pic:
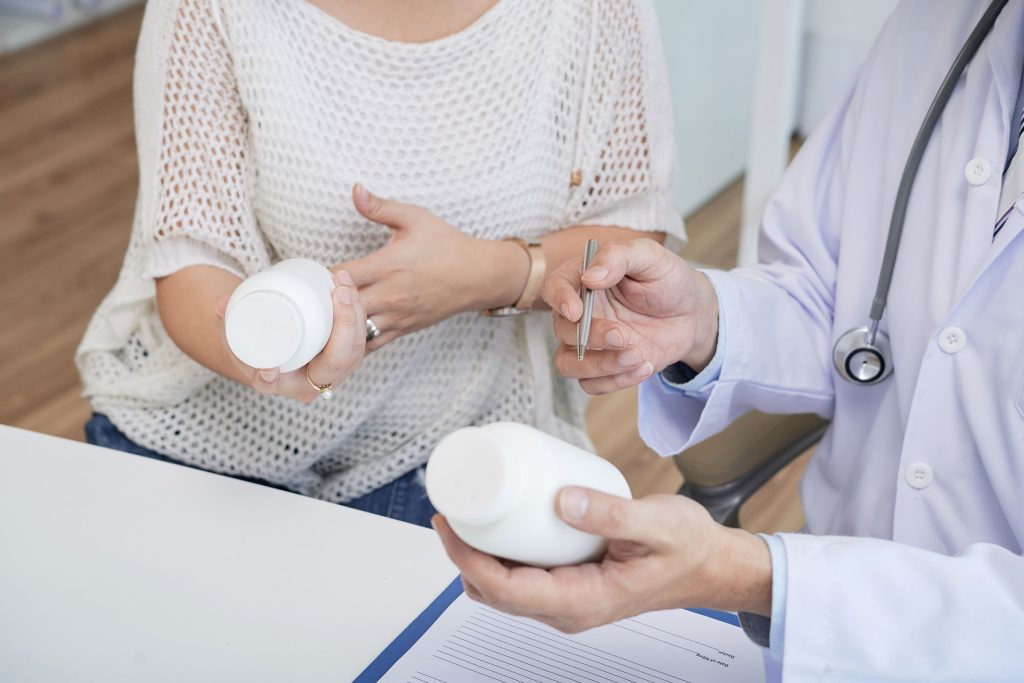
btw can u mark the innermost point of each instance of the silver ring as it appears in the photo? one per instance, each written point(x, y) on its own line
point(372, 331)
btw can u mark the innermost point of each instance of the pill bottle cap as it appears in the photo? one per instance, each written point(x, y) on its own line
point(472, 479)
point(264, 329)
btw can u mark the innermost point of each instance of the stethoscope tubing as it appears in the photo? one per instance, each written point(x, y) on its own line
point(868, 339)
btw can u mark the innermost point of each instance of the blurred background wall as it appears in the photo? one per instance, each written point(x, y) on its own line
point(25, 22)
point(712, 49)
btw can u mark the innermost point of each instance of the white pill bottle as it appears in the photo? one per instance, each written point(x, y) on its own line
point(281, 317)
point(497, 486)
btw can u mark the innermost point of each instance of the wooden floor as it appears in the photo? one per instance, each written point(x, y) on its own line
point(68, 179)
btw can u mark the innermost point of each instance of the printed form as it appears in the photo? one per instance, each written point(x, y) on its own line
point(472, 642)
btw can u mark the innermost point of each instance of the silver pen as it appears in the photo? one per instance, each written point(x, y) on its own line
point(587, 295)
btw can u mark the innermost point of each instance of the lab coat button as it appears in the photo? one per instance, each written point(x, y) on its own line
point(952, 340)
point(919, 475)
point(978, 171)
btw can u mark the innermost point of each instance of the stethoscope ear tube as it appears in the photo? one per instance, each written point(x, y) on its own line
point(862, 344)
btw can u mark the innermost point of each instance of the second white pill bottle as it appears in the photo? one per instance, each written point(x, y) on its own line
point(281, 317)
point(497, 486)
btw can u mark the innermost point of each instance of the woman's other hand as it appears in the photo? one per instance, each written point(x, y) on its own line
point(339, 359)
point(429, 270)
point(663, 552)
point(650, 310)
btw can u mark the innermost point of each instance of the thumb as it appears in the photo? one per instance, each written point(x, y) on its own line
point(395, 215)
point(605, 515)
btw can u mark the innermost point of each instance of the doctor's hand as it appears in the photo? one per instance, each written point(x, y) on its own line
point(650, 310)
point(664, 552)
point(429, 270)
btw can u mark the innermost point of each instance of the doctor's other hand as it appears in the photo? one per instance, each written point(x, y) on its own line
point(664, 552)
point(650, 310)
point(340, 357)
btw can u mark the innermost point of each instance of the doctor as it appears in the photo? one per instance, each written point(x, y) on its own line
point(912, 567)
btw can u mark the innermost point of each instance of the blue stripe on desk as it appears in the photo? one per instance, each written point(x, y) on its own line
point(414, 631)
point(727, 617)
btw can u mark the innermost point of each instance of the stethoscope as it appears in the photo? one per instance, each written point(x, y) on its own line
point(863, 355)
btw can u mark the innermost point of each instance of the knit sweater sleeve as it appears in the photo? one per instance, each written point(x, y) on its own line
point(200, 169)
point(627, 150)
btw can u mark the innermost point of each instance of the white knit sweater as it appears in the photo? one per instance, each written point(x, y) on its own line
point(253, 120)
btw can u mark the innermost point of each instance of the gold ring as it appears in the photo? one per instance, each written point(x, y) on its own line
point(325, 390)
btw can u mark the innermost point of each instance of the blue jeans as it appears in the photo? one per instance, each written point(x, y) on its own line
point(404, 499)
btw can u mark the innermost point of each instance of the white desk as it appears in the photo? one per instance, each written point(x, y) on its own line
point(119, 568)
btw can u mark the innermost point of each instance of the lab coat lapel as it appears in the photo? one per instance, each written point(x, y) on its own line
point(1004, 52)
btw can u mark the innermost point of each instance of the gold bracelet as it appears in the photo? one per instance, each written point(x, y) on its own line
point(534, 280)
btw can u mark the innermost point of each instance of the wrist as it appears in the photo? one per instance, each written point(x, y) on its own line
point(705, 326)
point(506, 269)
point(738, 574)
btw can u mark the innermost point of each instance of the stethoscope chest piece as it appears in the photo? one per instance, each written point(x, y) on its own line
point(861, 359)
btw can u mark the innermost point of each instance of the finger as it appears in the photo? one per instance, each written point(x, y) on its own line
point(220, 305)
point(393, 214)
point(471, 590)
point(364, 271)
point(604, 334)
point(471, 563)
point(610, 516)
point(379, 299)
point(624, 380)
point(459, 552)
point(266, 381)
point(527, 591)
point(347, 342)
point(382, 340)
point(640, 259)
point(561, 290)
point(597, 363)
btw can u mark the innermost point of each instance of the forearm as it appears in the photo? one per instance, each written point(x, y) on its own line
point(508, 269)
point(185, 300)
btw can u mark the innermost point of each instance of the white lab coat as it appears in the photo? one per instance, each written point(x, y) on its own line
point(932, 459)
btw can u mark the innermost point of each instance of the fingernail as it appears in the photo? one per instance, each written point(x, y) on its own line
point(630, 357)
point(343, 277)
point(362, 193)
point(268, 375)
point(344, 295)
point(644, 371)
point(573, 503)
point(565, 311)
point(615, 340)
point(595, 274)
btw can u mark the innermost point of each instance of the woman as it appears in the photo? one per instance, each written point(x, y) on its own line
point(539, 120)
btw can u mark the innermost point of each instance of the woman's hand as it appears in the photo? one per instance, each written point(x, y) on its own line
point(650, 310)
point(429, 270)
point(664, 552)
point(339, 359)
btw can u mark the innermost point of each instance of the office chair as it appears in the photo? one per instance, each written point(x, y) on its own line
point(722, 472)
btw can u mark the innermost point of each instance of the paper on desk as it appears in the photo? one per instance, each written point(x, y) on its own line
point(472, 642)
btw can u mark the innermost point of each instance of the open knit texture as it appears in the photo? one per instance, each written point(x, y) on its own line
point(254, 118)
